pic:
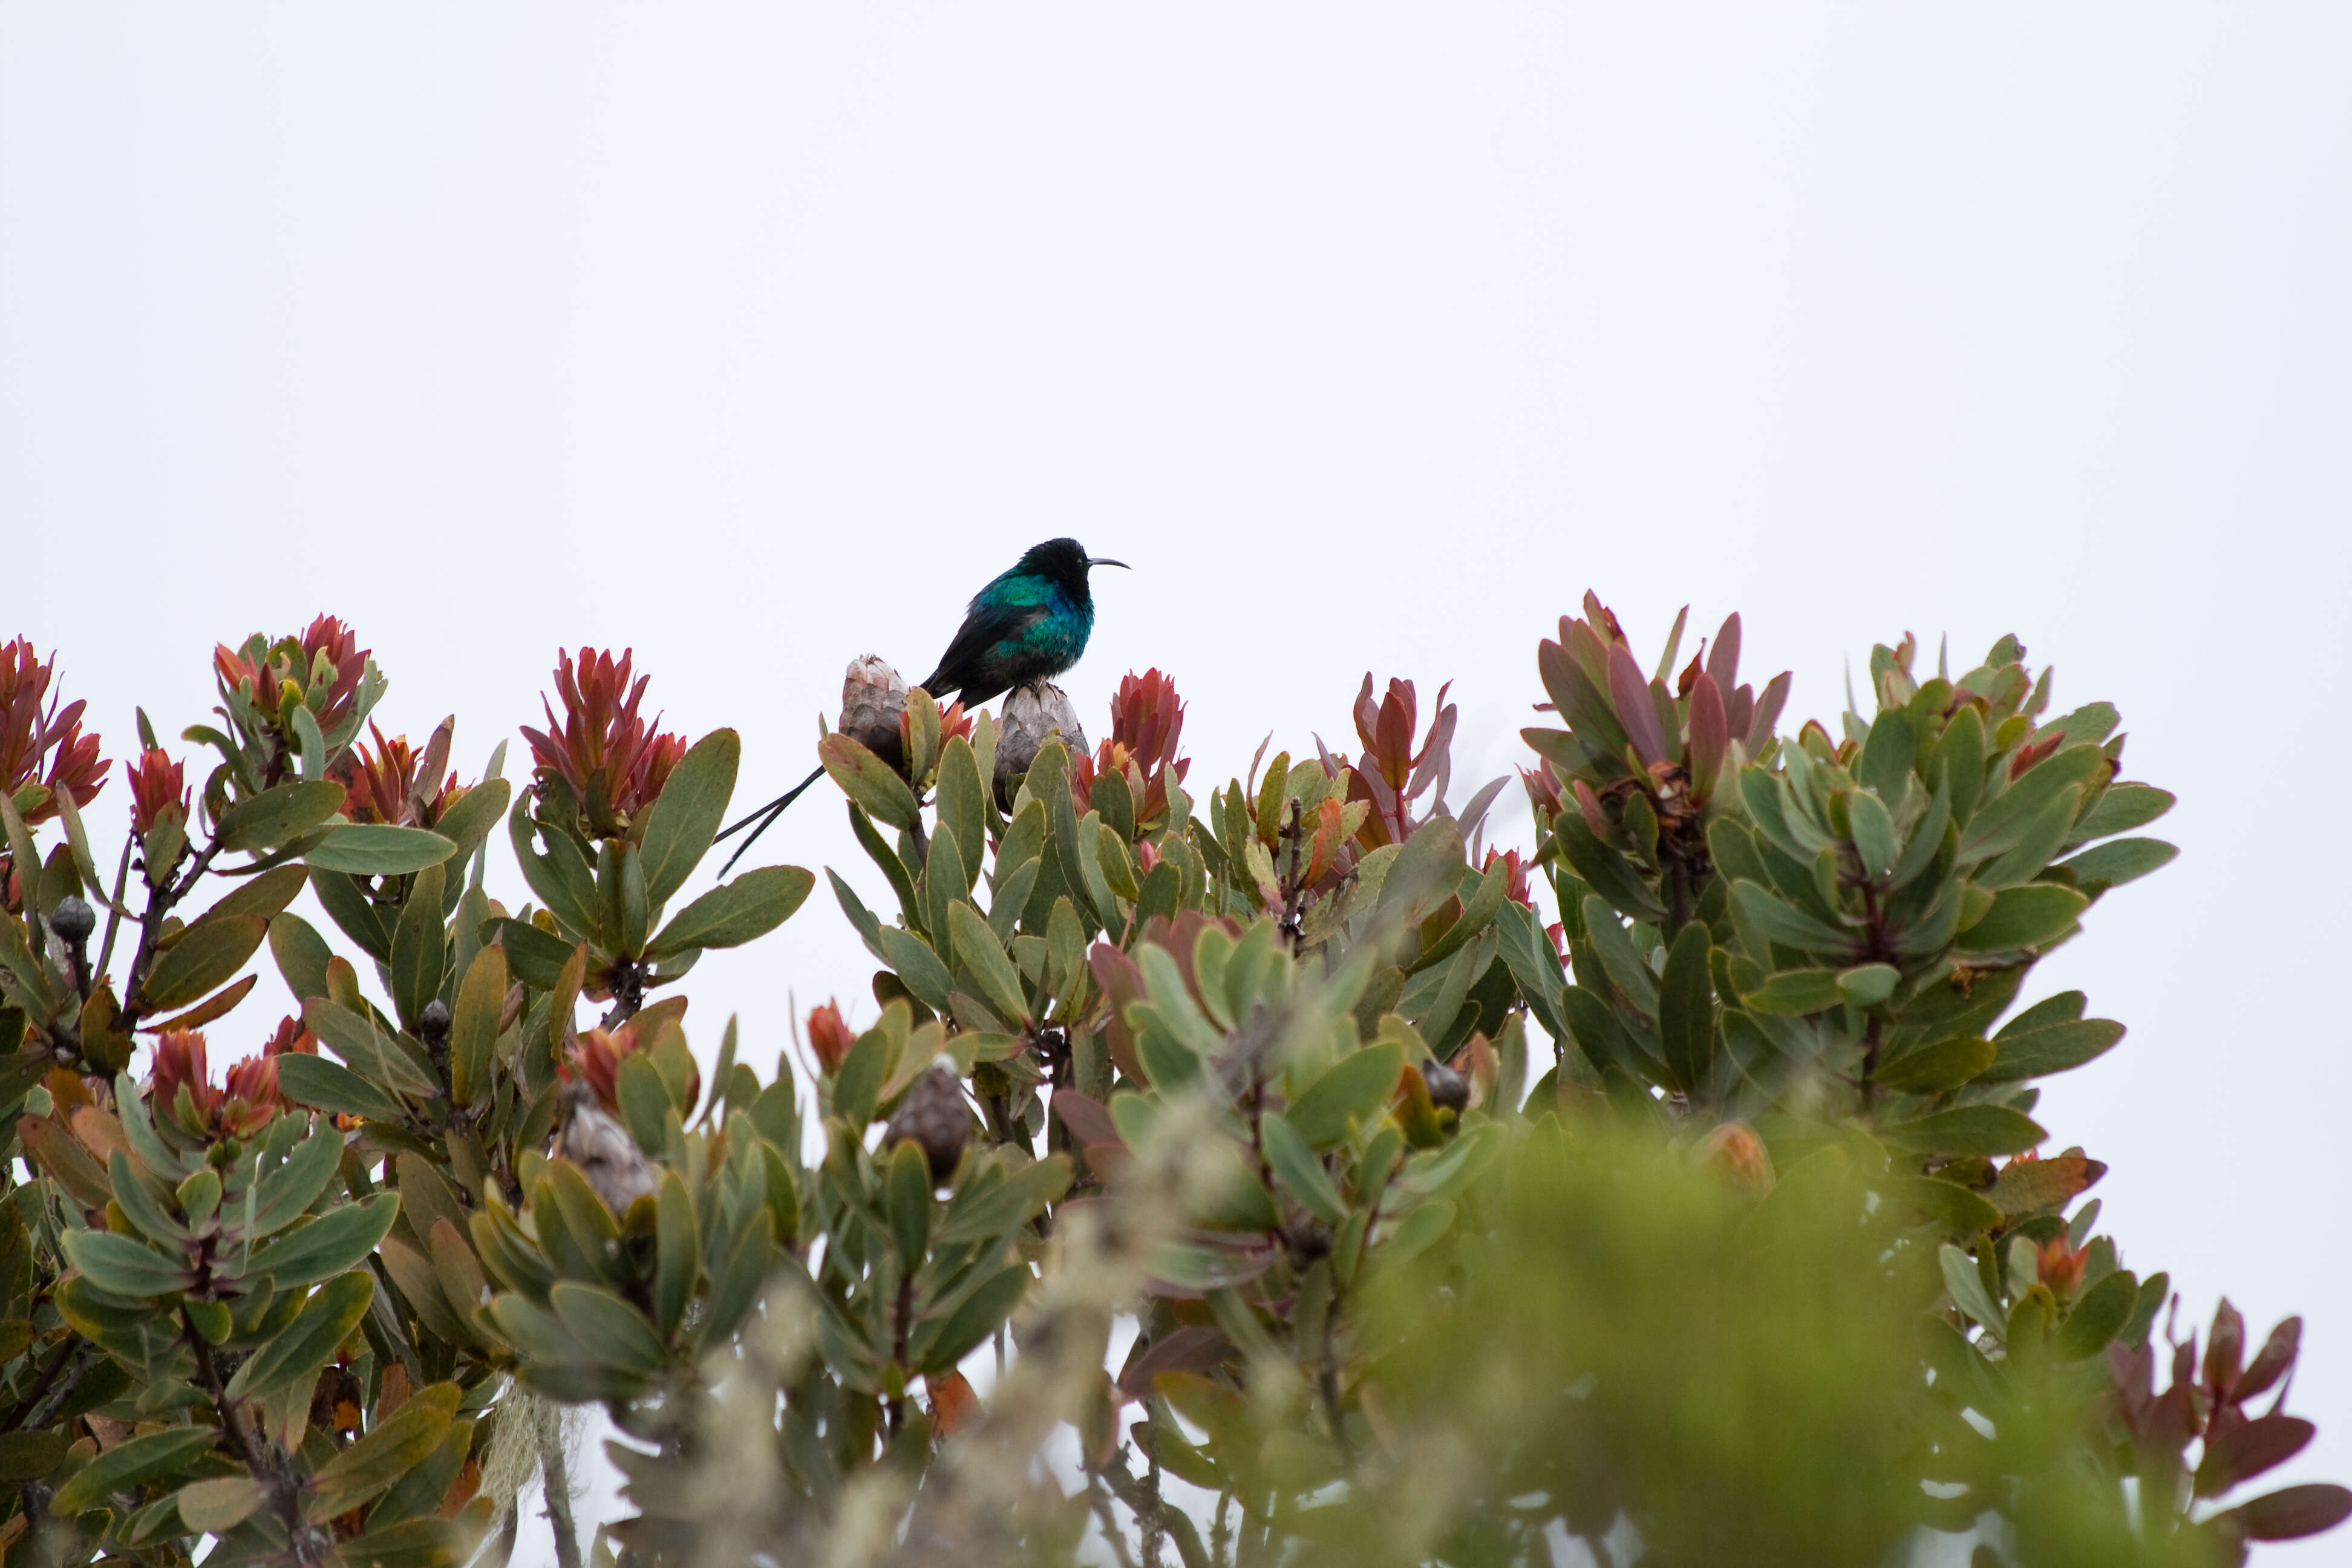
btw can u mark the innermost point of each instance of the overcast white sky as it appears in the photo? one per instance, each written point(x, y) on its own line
point(757, 337)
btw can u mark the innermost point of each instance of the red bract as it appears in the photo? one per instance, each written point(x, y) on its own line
point(155, 785)
point(31, 739)
point(246, 1105)
point(829, 1037)
point(1517, 890)
point(1147, 721)
point(327, 651)
point(396, 782)
point(2059, 1266)
point(595, 1059)
point(1390, 774)
point(602, 749)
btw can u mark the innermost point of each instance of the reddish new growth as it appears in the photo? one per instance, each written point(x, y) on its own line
point(396, 783)
point(829, 1037)
point(46, 748)
point(155, 788)
point(183, 1085)
point(1390, 774)
point(595, 1057)
point(1147, 723)
point(610, 757)
point(1517, 890)
point(328, 651)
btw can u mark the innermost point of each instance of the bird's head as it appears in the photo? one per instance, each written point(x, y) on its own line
point(1064, 561)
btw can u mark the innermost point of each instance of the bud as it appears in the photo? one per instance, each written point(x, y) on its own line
point(434, 1022)
point(73, 919)
point(156, 788)
point(829, 1037)
point(873, 698)
point(935, 1116)
point(1735, 1150)
point(2059, 1266)
point(1032, 715)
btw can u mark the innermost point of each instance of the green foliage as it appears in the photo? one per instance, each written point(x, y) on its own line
point(1760, 1267)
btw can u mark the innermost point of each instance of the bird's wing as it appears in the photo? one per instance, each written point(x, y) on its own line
point(964, 669)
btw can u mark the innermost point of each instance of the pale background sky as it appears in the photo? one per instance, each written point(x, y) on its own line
point(756, 337)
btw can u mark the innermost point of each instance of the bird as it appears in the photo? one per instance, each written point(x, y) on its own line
point(1028, 624)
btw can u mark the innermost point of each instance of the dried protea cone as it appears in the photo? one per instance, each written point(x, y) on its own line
point(872, 695)
point(603, 1150)
point(1032, 714)
point(935, 1116)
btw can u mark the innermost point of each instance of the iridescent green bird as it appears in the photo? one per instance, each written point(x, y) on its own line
point(1029, 624)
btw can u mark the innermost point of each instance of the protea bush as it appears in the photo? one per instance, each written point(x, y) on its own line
point(1279, 1173)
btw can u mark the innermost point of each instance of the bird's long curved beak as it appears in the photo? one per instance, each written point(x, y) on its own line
point(1106, 561)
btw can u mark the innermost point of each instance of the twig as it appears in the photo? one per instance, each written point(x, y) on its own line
point(555, 1483)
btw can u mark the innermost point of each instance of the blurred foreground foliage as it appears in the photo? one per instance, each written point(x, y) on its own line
point(1297, 1191)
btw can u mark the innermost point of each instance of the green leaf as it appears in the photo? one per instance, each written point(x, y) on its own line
point(685, 817)
point(978, 950)
point(2053, 1048)
point(1350, 1092)
point(2098, 1317)
point(123, 1267)
point(1785, 923)
point(536, 957)
point(1960, 1211)
point(354, 912)
point(1686, 1008)
point(308, 1342)
point(677, 1252)
point(264, 895)
point(1868, 985)
point(1941, 1065)
point(29, 1455)
point(733, 913)
point(1968, 1287)
point(474, 1025)
point(869, 781)
point(2031, 916)
point(1874, 830)
point(470, 821)
point(130, 1464)
point(374, 1463)
point(2120, 808)
point(937, 1349)
point(1969, 1130)
point(379, 849)
point(907, 1200)
point(1302, 1174)
point(323, 1085)
point(140, 1205)
point(1610, 874)
point(1795, 992)
point(962, 799)
point(355, 1038)
point(991, 1214)
point(269, 819)
point(301, 954)
point(207, 957)
point(330, 1244)
point(414, 1498)
point(2123, 860)
point(2009, 816)
point(915, 963)
point(420, 948)
point(618, 1331)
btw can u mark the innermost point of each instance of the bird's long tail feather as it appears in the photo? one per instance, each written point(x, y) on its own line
point(763, 817)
